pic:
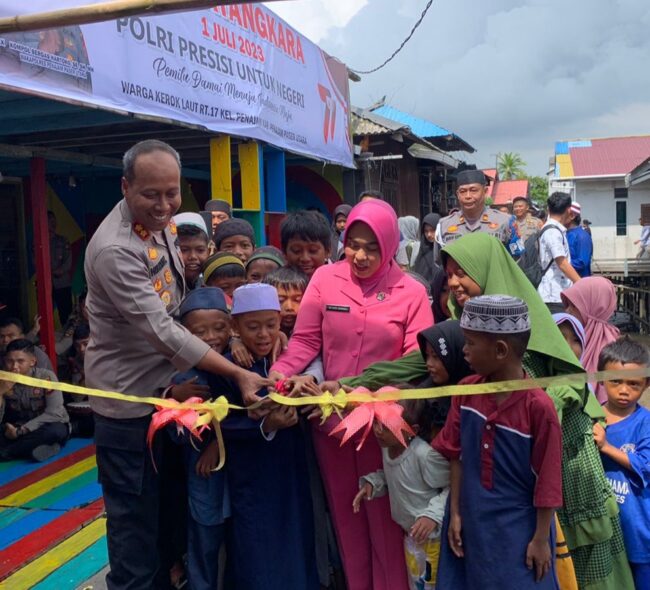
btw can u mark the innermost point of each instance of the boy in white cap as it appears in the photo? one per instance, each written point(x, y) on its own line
point(505, 451)
point(581, 246)
point(272, 540)
point(193, 242)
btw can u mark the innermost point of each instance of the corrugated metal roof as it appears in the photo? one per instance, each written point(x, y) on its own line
point(419, 126)
point(613, 156)
point(417, 150)
point(366, 122)
point(439, 136)
point(506, 190)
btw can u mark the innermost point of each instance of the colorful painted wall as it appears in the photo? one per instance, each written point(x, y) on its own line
point(315, 186)
point(80, 206)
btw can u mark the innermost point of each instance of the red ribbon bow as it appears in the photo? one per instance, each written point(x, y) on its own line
point(387, 413)
point(184, 418)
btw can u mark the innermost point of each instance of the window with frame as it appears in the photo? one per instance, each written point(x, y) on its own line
point(620, 193)
point(621, 218)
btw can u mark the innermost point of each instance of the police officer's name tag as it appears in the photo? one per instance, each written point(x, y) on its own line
point(339, 308)
point(156, 268)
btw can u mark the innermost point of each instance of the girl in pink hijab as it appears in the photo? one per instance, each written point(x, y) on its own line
point(358, 311)
point(592, 301)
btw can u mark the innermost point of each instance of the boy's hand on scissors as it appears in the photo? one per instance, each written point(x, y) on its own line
point(422, 529)
point(454, 534)
point(364, 493)
point(188, 389)
point(538, 554)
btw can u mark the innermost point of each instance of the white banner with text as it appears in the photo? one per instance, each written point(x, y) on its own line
point(236, 69)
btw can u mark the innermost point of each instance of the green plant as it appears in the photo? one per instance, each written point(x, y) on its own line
point(511, 166)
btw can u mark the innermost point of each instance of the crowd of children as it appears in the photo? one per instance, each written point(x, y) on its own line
point(506, 491)
point(469, 492)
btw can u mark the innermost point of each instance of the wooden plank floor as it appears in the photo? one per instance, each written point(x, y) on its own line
point(52, 524)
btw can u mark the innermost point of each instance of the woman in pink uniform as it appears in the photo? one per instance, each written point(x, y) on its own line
point(358, 311)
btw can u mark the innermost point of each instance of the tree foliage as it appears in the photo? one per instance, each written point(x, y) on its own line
point(511, 166)
point(538, 190)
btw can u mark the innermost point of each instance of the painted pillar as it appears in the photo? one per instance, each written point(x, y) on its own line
point(251, 164)
point(276, 193)
point(221, 169)
point(38, 197)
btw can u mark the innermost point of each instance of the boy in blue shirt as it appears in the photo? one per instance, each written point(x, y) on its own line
point(203, 312)
point(625, 450)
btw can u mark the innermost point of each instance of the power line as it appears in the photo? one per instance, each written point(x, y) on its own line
point(417, 24)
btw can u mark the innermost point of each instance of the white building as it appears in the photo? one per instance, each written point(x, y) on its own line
point(610, 178)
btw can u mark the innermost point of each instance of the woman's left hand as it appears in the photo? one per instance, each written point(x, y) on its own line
point(300, 383)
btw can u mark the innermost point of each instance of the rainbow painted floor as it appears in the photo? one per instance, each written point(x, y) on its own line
point(52, 524)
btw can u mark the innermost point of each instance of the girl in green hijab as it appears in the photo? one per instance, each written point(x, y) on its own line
point(478, 264)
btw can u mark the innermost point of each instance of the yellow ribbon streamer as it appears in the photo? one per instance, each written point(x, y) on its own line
point(330, 403)
point(210, 411)
point(218, 409)
point(215, 411)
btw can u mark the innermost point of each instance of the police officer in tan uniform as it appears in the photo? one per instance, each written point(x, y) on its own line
point(135, 286)
point(527, 225)
point(473, 214)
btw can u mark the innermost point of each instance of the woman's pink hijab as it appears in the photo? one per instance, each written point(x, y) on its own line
point(595, 299)
point(382, 220)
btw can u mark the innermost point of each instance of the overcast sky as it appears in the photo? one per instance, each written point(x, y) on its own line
point(505, 75)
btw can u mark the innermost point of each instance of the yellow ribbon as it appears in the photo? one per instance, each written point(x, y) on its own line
point(218, 409)
point(328, 402)
point(215, 411)
point(331, 403)
point(210, 411)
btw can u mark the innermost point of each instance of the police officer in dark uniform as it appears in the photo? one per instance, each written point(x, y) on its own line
point(473, 214)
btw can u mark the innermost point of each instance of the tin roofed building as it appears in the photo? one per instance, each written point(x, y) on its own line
point(610, 178)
